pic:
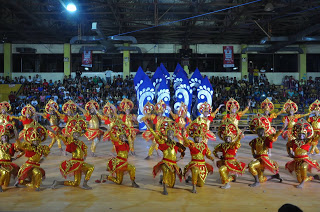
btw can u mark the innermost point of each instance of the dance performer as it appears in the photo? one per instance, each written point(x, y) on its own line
point(26, 118)
point(267, 106)
point(69, 109)
point(168, 165)
point(147, 135)
point(198, 150)
point(301, 163)
point(181, 119)
point(156, 119)
point(207, 117)
point(76, 166)
point(30, 173)
point(93, 132)
point(5, 107)
point(119, 165)
point(126, 106)
point(7, 151)
point(259, 147)
point(54, 121)
point(228, 163)
point(315, 123)
point(291, 108)
point(233, 107)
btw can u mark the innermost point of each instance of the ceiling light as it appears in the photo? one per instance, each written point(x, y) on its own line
point(269, 7)
point(71, 7)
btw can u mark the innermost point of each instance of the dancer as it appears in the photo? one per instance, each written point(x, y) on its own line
point(69, 109)
point(228, 163)
point(126, 106)
point(198, 150)
point(26, 118)
point(291, 108)
point(7, 151)
point(93, 132)
point(233, 107)
point(207, 117)
point(259, 147)
point(76, 166)
point(119, 165)
point(30, 173)
point(181, 119)
point(54, 121)
point(267, 106)
point(301, 163)
point(147, 135)
point(5, 107)
point(168, 165)
point(315, 123)
point(157, 119)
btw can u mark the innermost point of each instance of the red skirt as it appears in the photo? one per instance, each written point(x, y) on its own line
point(147, 135)
point(204, 168)
point(8, 166)
point(56, 129)
point(269, 164)
point(71, 167)
point(93, 133)
point(312, 164)
point(172, 165)
point(25, 170)
point(117, 164)
point(233, 166)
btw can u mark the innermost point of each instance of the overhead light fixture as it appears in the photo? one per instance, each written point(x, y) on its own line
point(71, 7)
point(269, 7)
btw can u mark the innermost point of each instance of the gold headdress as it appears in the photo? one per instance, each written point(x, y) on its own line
point(205, 107)
point(183, 110)
point(109, 108)
point(267, 105)
point(91, 104)
point(259, 121)
point(28, 109)
point(51, 104)
point(35, 132)
point(69, 105)
point(5, 105)
point(167, 125)
point(148, 108)
point(290, 105)
point(231, 104)
point(160, 107)
point(315, 106)
point(126, 104)
point(197, 130)
point(228, 129)
point(118, 129)
point(302, 127)
point(5, 128)
point(76, 124)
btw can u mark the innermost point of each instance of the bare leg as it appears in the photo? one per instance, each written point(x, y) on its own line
point(256, 181)
point(164, 192)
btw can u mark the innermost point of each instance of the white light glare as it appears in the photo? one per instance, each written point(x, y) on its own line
point(71, 7)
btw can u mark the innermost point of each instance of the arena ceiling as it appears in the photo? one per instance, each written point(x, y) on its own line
point(47, 21)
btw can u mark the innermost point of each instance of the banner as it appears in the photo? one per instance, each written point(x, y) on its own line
point(228, 59)
point(87, 58)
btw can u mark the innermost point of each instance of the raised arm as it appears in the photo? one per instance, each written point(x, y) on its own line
point(81, 109)
point(157, 138)
point(213, 114)
point(302, 115)
point(208, 154)
point(275, 115)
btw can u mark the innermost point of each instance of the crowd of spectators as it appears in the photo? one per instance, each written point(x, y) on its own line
point(37, 91)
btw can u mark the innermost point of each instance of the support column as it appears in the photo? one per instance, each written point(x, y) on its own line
point(7, 57)
point(126, 62)
point(244, 63)
point(186, 69)
point(67, 58)
point(302, 64)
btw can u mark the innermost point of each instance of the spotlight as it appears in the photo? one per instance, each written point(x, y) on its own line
point(71, 7)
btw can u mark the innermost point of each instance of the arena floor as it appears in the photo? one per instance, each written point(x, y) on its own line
point(109, 196)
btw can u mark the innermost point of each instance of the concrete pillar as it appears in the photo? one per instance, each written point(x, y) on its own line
point(126, 62)
point(7, 60)
point(302, 63)
point(244, 62)
point(67, 58)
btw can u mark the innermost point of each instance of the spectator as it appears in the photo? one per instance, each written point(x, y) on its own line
point(108, 74)
point(256, 74)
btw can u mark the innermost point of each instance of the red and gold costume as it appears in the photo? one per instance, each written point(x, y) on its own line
point(181, 119)
point(30, 173)
point(119, 165)
point(168, 164)
point(267, 106)
point(126, 106)
point(259, 148)
point(198, 150)
point(76, 165)
point(301, 163)
point(69, 108)
point(291, 107)
point(315, 123)
point(5, 107)
point(27, 113)
point(228, 163)
point(206, 118)
point(93, 132)
point(234, 116)
point(109, 117)
point(7, 151)
point(54, 121)
point(156, 121)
